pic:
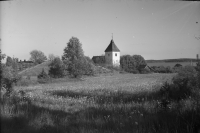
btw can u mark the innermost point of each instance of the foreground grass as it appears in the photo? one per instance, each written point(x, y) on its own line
point(118, 103)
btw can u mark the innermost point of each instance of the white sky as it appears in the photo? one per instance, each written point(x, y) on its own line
point(153, 29)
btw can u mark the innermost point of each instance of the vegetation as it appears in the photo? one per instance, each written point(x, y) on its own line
point(133, 64)
point(56, 68)
point(36, 70)
point(113, 103)
point(9, 61)
point(43, 77)
point(9, 76)
point(162, 69)
point(51, 57)
point(118, 103)
point(37, 56)
point(74, 59)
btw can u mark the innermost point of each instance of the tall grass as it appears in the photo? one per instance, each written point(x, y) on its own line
point(119, 103)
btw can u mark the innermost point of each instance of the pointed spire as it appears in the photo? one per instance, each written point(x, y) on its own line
point(112, 47)
point(112, 36)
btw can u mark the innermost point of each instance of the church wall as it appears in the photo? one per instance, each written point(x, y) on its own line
point(112, 58)
point(116, 58)
point(108, 56)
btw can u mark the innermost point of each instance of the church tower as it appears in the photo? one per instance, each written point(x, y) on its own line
point(112, 54)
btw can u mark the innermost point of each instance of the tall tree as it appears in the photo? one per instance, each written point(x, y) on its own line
point(37, 56)
point(73, 50)
point(74, 59)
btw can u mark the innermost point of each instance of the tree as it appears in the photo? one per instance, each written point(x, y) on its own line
point(37, 56)
point(128, 64)
point(140, 62)
point(133, 64)
point(74, 59)
point(73, 50)
point(2, 56)
point(9, 61)
point(56, 68)
point(89, 59)
point(76, 67)
point(51, 57)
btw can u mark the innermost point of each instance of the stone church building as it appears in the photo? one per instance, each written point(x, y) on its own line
point(112, 56)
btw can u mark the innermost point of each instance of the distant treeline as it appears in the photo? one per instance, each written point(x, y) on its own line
point(173, 60)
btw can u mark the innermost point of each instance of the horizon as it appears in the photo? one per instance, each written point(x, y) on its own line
point(156, 30)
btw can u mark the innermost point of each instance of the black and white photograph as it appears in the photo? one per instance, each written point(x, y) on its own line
point(100, 66)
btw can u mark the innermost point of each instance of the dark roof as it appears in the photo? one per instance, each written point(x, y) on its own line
point(112, 47)
point(98, 59)
point(94, 57)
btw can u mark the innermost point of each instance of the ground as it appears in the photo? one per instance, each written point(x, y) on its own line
point(115, 103)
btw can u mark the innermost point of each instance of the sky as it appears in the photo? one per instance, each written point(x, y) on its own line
point(155, 29)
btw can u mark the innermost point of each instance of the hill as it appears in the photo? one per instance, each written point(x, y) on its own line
point(34, 71)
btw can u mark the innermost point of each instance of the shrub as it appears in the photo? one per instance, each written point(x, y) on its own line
point(9, 77)
point(128, 63)
point(186, 76)
point(132, 64)
point(80, 67)
point(43, 77)
point(56, 68)
point(183, 85)
point(145, 71)
point(89, 68)
point(162, 69)
point(140, 62)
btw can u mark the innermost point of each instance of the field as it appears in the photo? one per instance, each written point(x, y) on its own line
point(171, 64)
point(117, 103)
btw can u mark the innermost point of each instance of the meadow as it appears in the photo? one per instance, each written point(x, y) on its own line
point(112, 103)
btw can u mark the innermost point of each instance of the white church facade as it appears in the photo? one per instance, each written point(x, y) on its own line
point(112, 56)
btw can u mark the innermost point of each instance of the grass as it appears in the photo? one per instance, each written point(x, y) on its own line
point(118, 103)
point(36, 70)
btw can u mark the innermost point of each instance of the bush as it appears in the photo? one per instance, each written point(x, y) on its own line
point(43, 77)
point(145, 71)
point(184, 85)
point(128, 63)
point(132, 64)
point(186, 76)
point(80, 67)
point(9, 77)
point(162, 69)
point(56, 68)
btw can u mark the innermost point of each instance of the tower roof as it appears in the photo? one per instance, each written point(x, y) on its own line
point(112, 47)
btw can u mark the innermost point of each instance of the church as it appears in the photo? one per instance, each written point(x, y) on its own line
point(112, 56)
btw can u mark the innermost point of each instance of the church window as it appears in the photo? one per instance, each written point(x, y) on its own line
point(116, 54)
